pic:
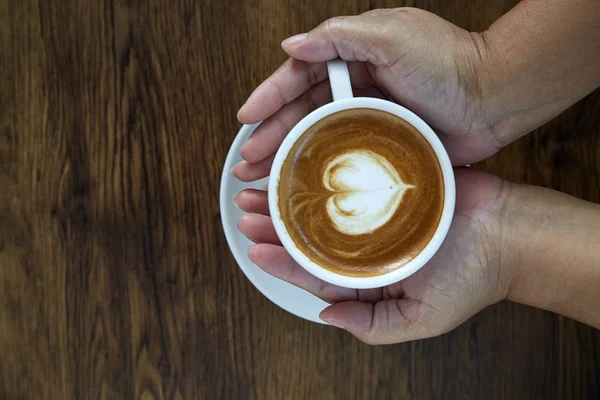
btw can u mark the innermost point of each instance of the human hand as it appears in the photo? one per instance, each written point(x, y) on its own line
point(418, 59)
point(479, 92)
point(462, 278)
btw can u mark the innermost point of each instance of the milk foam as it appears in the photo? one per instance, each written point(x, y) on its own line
point(367, 191)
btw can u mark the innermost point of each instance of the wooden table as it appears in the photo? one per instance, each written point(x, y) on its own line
point(115, 278)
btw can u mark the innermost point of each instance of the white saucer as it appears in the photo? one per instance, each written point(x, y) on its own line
point(292, 299)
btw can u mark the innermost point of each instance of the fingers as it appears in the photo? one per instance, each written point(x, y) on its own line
point(269, 135)
point(366, 37)
point(258, 228)
point(248, 172)
point(291, 80)
point(258, 152)
point(253, 201)
point(388, 321)
point(276, 261)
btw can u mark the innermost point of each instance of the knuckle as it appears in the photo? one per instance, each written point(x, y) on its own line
point(280, 122)
point(378, 12)
point(311, 104)
point(387, 16)
point(379, 32)
point(333, 25)
point(311, 75)
point(321, 286)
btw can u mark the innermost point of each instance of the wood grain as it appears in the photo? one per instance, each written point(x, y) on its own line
point(116, 281)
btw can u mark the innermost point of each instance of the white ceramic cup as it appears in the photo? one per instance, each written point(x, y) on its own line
point(343, 100)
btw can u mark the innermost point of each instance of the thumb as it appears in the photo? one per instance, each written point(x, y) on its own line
point(366, 37)
point(385, 322)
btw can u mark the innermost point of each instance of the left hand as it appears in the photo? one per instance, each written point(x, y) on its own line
point(412, 56)
point(462, 278)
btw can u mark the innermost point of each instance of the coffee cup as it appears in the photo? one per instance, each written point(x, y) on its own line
point(343, 100)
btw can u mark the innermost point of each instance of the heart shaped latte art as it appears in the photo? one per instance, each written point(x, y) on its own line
point(367, 191)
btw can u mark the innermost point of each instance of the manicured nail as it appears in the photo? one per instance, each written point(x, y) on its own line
point(333, 323)
point(294, 40)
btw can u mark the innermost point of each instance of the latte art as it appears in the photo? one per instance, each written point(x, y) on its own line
point(361, 192)
point(367, 191)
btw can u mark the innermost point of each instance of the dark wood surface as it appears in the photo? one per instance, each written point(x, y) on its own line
point(116, 281)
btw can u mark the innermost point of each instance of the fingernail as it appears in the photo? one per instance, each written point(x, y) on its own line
point(251, 251)
point(333, 322)
point(248, 101)
point(294, 40)
point(235, 200)
point(231, 172)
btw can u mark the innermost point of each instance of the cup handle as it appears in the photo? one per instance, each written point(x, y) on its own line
point(339, 79)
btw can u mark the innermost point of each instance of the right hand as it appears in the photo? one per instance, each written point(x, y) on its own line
point(465, 275)
point(420, 60)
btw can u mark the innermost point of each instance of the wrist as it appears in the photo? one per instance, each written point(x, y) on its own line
point(492, 196)
point(536, 61)
point(510, 241)
point(485, 87)
point(504, 248)
point(549, 251)
point(507, 100)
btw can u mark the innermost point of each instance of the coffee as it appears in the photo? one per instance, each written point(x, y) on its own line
point(361, 192)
